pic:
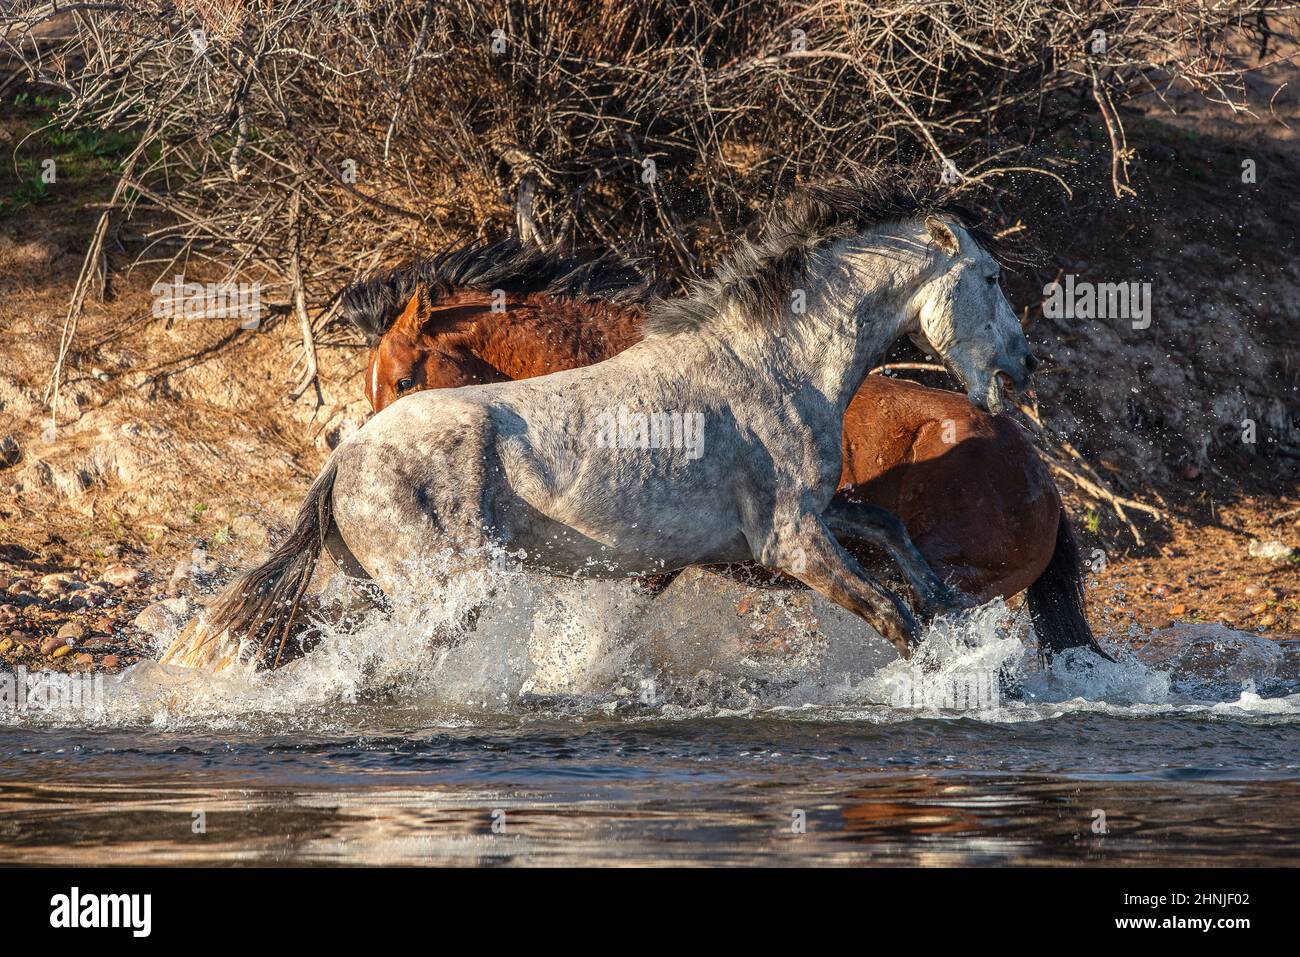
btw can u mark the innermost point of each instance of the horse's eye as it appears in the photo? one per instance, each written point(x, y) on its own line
point(405, 385)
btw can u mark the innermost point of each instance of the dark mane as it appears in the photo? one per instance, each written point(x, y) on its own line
point(761, 272)
point(516, 267)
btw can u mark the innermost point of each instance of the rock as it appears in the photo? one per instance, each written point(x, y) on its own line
point(10, 453)
point(1260, 608)
point(52, 644)
point(20, 587)
point(61, 651)
point(56, 584)
point(84, 660)
point(197, 571)
point(180, 577)
point(159, 621)
point(1179, 609)
point(5, 645)
point(1266, 621)
point(1272, 551)
point(71, 632)
point(109, 661)
point(120, 576)
point(1212, 651)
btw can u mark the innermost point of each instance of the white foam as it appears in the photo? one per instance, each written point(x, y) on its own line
point(600, 648)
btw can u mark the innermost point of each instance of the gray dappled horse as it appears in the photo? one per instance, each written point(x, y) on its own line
point(765, 356)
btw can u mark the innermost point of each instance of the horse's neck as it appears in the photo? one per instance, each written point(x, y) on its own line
point(856, 306)
point(548, 334)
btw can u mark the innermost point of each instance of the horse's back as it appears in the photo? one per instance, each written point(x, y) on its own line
point(974, 495)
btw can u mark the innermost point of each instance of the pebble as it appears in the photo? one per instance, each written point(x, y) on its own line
point(60, 652)
point(109, 661)
point(84, 660)
point(72, 631)
point(1179, 609)
point(52, 644)
point(1273, 551)
point(5, 645)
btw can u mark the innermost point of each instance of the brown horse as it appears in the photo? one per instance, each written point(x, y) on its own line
point(969, 488)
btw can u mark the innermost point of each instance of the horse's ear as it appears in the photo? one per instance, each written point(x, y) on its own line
point(411, 320)
point(941, 235)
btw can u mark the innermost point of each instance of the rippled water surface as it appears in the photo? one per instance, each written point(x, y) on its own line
point(585, 729)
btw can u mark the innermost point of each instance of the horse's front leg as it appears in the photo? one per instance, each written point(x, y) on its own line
point(882, 528)
point(808, 551)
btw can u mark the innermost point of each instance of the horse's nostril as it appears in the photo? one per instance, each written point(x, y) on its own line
point(1031, 362)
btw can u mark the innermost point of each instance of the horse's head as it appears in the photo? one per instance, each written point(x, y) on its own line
point(960, 313)
point(428, 347)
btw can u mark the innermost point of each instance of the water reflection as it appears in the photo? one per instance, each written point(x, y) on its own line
point(909, 819)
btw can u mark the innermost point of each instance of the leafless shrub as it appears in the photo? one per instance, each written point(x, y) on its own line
point(323, 136)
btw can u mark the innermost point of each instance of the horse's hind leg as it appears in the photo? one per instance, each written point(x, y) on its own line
point(879, 527)
point(363, 595)
point(810, 553)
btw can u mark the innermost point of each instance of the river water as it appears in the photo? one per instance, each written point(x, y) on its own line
point(582, 724)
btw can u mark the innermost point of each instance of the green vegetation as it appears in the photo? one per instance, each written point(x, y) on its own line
point(81, 156)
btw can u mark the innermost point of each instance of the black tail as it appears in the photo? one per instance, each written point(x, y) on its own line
point(1056, 601)
point(261, 604)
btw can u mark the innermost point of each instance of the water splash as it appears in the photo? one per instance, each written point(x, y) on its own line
point(706, 647)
